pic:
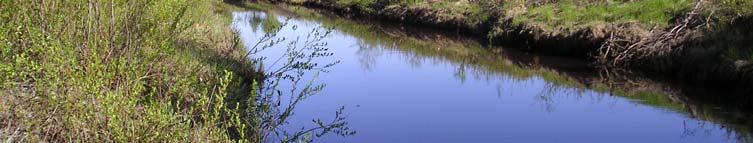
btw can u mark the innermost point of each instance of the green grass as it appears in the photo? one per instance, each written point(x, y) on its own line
point(736, 7)
point(128, 71)
point(364, 5)
point(566, 14)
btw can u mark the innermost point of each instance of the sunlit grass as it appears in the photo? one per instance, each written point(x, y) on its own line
point(572, 13)
point(127, 71)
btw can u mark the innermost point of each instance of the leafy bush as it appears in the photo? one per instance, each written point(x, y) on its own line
point(118, 71)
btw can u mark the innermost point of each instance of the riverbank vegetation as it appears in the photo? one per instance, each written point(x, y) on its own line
point(173, 70)
point(150, 71)
point(122, 71)
point(697, 41)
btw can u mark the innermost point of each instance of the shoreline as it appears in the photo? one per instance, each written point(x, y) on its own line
point(709, 69)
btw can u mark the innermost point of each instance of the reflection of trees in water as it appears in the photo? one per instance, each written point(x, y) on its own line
point(705, 130)
point(701, 128)
point(737, 124)
point(549, 94)
point(460, 72)
point(367, 54)
point(288, 82)
point(559, 84)
point(254, 20)
point(502, 65)
point(414, 61)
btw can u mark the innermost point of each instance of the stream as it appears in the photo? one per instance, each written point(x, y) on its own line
point(411, 84)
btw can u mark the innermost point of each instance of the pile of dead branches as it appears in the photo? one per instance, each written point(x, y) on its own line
point(620, 50)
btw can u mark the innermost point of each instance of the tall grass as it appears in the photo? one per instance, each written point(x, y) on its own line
point(120, 71)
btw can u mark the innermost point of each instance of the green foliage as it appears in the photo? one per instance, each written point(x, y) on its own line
point(364, 5)
point(271, 23)
point(119, 71)
point(574, 13)
point(738, 7)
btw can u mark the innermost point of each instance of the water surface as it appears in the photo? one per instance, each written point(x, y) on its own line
point(408, 84)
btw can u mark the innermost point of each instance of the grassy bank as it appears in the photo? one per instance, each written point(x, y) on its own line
point(122, 71)
point(641, 34)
